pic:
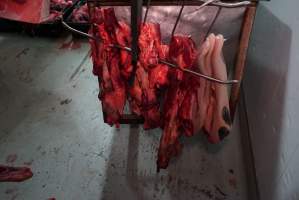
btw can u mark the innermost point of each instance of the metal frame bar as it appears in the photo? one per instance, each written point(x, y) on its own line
point(241, 56)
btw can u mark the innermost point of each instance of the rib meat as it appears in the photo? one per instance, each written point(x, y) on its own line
point(158, 75)
point(150, 76)
point(177, 107)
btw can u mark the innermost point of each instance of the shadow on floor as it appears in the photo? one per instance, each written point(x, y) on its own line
point(198, 173)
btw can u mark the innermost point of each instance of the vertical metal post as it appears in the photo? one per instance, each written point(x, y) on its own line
point(136, 19)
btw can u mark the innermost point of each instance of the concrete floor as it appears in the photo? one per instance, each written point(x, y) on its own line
point(50, 119)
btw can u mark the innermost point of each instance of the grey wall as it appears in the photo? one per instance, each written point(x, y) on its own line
point(272, 97)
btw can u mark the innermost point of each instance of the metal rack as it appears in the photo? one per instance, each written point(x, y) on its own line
point(136, 20)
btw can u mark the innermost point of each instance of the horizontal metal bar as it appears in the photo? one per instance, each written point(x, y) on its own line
point(176, 3)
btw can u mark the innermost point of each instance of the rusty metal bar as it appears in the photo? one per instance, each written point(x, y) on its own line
point(241, 57)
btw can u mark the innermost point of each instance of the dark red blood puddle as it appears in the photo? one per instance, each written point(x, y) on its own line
point(72, 45)
point(52, 199)
point(11, 158)
point(232, 182)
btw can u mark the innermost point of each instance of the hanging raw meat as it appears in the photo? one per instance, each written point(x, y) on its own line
point(192, 103)
point(60, 5)
point(205, 64)
point(150, 76)
point(108, 66)
point(181, 91)
point(189, 104)
point(218, 122)
point(149, 43)
point(123, 37)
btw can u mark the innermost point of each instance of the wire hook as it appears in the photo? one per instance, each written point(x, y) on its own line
point(212, 24)
point(178, 18)
point(146, 11)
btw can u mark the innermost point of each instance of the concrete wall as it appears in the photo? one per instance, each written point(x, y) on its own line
point(272, 97)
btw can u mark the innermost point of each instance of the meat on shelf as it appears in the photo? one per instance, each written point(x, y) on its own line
point(178, 102)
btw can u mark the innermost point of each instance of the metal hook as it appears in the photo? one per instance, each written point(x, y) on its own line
point(79, 32)
point(212, 24)
point(146, 11)
point(178, 18)
point(204, 4)
point(181, 10)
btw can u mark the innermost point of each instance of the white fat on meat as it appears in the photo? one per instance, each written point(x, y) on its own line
point(208, 100)
point(221, 122)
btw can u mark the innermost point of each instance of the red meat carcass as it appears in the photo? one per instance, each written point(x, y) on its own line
point(150, 76)
point(111, 65)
